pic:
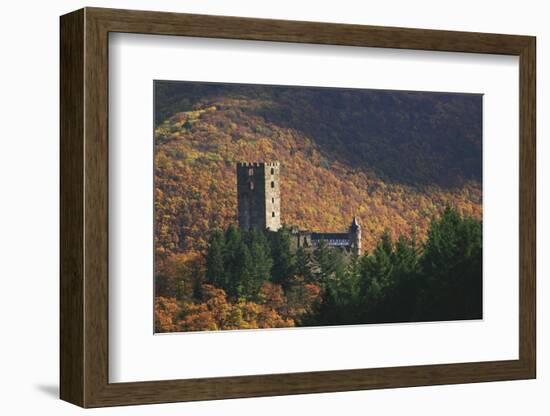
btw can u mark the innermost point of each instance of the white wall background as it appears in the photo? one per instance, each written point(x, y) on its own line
point(29, 83)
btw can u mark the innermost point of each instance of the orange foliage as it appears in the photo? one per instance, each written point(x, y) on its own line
point(272, 296)
point(301, 296)
point(195, 183)
point(215, 313)
point(166, 310)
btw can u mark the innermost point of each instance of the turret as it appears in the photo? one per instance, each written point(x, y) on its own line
point(355, 237)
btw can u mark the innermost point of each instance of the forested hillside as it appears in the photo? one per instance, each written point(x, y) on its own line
point(391, 159)
point(395, 160)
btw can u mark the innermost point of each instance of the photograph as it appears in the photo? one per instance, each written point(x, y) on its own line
point(296, 206)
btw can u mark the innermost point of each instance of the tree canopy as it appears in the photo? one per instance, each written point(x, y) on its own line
point(252, 279)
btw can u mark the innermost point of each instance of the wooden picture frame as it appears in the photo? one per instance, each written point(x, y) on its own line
point(84, 207)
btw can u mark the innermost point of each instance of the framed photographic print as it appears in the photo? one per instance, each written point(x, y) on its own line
point(261, 207)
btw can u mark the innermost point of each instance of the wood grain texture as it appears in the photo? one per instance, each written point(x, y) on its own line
point(162, 23)
point(71, 208)
point(527, 207)
point(84, 207)
point(96, 208)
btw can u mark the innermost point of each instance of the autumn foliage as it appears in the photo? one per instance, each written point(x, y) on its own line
point(394, 170)
point(394, 160)
point(216, 313)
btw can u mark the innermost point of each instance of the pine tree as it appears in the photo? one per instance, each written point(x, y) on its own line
point(232, 262)
point(322, 263)
point(242, 284)
point(399, 302)
point(261, 255)
point(283, 259)
point(303, 264)
point(215, 269)
point(452, 269)
point(376, 276)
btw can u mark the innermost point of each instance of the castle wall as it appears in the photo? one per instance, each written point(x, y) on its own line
point(350, 242)
point(272, 196)
point(258, 196)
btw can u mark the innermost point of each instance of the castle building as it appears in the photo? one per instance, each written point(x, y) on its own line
point(259, 208)
point(258, 196)
point(349, 241)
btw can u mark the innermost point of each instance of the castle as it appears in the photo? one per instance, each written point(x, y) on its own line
point(259, 208)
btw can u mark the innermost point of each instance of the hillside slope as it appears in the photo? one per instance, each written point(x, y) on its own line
point(391, 159)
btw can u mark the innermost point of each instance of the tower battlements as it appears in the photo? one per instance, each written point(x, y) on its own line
point(256, 164)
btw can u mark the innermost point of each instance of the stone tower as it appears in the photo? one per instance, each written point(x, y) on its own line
point(258, 196)
point(355, 237)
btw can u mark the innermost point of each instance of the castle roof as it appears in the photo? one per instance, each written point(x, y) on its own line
point(329, 236)
point(354, 224)
point(332, 239)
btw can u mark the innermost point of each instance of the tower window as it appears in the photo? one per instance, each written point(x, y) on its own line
point(273, 214)
point(251, 186)
point(250, 172)
point(272, 184)
point(272, 200)
point(272, 171)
